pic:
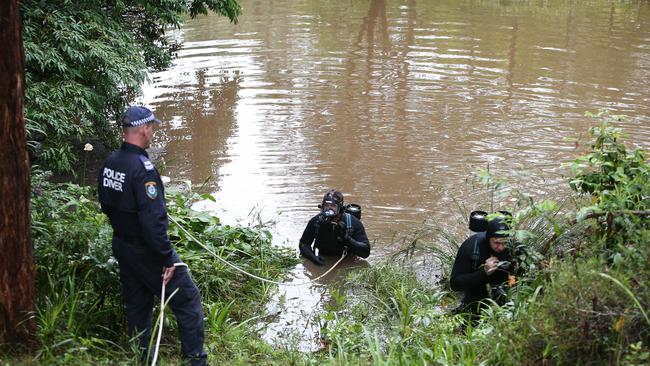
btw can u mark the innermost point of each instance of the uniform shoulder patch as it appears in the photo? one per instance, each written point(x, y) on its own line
point(148, 165)
point(151, 190)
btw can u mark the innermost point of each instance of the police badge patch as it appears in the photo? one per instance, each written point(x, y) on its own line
point(151, 190)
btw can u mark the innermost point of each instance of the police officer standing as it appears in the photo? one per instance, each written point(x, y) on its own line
point(131, 194)
point(333, 230)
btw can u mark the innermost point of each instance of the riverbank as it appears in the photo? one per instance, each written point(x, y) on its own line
point(79, 313)
point(583, 298)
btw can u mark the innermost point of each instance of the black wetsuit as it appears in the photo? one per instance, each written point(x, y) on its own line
point(327, 241)
point(468, 274)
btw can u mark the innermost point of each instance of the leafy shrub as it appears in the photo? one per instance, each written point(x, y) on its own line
point(79, 305)
point(579, 318)
point(85, 60)
point(591, 307)
point(618, 183)
point(583, 298)
point(250, 248)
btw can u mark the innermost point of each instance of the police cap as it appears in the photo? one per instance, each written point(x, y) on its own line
point(137, 116)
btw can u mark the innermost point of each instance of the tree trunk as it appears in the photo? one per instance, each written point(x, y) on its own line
point(16, 250)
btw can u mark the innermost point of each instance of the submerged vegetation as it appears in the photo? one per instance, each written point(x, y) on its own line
point(583, 299)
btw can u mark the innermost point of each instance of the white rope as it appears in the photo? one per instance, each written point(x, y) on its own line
point(162, 314)
point(162, 291)
point(250, 274)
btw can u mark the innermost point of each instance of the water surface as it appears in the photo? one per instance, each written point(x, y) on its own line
point(395, 103)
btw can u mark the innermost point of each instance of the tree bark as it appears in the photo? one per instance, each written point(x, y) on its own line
point(16, 250)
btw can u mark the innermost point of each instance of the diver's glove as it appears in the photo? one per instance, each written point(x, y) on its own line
point(357, 247)
point(306, 251)
point(341, 231)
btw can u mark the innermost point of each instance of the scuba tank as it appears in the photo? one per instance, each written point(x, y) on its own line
point(477, 222)
point(354, 210)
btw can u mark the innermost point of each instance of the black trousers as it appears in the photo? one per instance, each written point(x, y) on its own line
point(141, 278)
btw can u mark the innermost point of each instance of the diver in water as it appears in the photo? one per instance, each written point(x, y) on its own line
point(333, 230)
point(483, 263)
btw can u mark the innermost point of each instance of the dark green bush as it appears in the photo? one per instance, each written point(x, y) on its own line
point(592, 307)
point(618, 184)
point(582, 300)
point(85, 60)
point(79, 304)
point(580, 318)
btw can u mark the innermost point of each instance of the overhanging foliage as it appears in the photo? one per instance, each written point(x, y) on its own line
point(85, 60)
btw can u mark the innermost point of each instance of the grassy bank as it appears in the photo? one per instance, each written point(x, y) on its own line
point(582, 300)
point(79, 306)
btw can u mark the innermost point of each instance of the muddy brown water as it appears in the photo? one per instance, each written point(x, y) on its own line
point(395, 103)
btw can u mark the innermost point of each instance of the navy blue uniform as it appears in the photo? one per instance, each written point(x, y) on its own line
point(325, 236)
point(131, 193)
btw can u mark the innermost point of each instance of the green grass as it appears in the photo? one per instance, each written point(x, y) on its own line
point(582, 298)
point(79, 312)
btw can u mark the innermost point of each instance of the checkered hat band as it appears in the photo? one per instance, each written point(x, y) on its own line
point(142, 121)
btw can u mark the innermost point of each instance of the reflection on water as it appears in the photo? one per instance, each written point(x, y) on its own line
point(200, 118)
point(394, 102)
point(291, 314)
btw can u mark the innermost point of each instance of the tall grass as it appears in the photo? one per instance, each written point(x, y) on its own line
point(583, 298)
point(79, 307)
